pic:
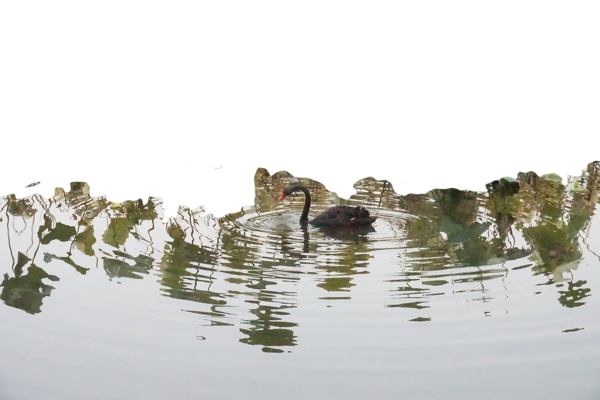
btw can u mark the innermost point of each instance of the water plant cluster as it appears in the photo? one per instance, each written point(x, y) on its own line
point(531, 221)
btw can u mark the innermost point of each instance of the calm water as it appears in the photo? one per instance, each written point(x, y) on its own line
point(450, 294)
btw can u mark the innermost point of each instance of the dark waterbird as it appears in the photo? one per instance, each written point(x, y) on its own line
point(338, 216)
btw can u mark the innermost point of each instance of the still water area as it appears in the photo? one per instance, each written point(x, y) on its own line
point(450, 294)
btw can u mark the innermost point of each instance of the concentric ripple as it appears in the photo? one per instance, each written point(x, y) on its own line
point(279, 230)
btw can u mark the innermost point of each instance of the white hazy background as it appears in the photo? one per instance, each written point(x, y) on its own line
point(184, 100)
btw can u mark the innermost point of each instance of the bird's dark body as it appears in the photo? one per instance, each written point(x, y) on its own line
point(336, 216)
point(343, 216)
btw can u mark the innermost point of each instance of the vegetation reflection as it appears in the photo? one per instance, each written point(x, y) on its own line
point(244, 268)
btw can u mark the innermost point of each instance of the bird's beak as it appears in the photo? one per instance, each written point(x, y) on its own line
point(281, 196)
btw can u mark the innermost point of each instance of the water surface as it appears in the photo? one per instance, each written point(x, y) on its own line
point(451, 294)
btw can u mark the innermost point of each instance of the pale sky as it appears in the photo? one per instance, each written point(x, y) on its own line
point(185, 100)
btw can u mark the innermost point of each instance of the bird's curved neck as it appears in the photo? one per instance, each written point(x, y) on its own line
point(304, 216)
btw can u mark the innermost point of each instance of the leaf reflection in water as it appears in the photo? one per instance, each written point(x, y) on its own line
point(244, 269)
